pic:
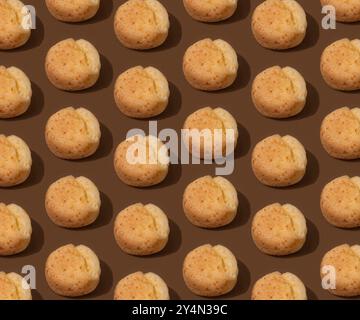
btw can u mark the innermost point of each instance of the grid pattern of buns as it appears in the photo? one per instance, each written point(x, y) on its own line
point(74, 133)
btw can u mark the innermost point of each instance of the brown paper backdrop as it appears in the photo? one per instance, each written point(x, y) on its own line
point(184, 100)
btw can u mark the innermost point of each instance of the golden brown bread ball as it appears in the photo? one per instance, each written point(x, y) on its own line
point(73, 65)
point(141, 92)
point(346, 10)
point(15, 92)
point(339, 65)
point(72, 271)
point(14, 287)
point(279, 24)
point(141, 229)
point(345, 262)
point(340, 133)
point(210, 271)
point(141, 286)
point(73, 10)
point(73, 202)
point(141, 161)
point(210, 11)
point(210, 202)
point(279, 286)
point(15, 229)
point(73, 133)
point(210, 65)
point(340, 202)
point(15, 161)
point(279, 92)
point(210, 133)
point(13, 33)
point(141, 24)
point(279, 230)
point(279, 161)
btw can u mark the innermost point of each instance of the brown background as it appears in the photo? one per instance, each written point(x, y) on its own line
point(184, 100)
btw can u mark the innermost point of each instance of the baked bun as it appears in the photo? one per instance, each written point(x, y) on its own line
point(141, 24)
point(141, 286)
point(345, 262)
point(279, 230)
point(340, 202)
point(73, 202)
point(279, 92)
point(279, 24)
point(73, 133)
point(14, 287)
point(210, 271)
point(210, 65)
point(73, 10)
point(73, 65)
point(339, 66)
point(15, 161)
point(340, 133)
point(279, 161)
point(141, 161)
point(279, 286)
point(15, 92)
point(72, 271)
point(210, 133)
point(346, 11)
point(210, 11)
point(142, 92)
point(210, 202)
point(15, 229)
point(13, 34)
point(141, 229)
